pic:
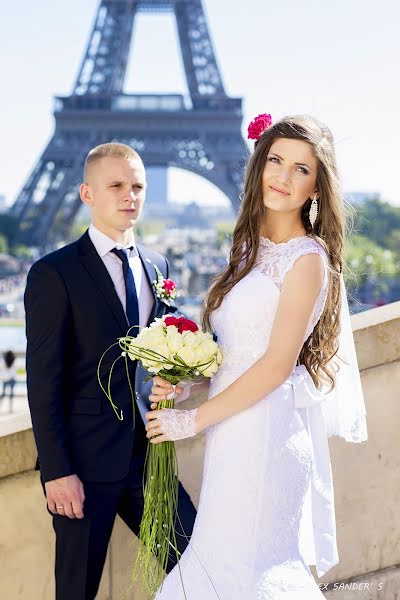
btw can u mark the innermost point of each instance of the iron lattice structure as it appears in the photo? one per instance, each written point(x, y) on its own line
point(199, 132)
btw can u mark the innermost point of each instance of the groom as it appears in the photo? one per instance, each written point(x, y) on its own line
point(79, 300)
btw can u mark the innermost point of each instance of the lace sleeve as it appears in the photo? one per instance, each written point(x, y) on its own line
point(309, 246)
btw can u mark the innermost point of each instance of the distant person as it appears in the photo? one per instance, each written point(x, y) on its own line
point(280, 312)
point(79, 300)
point(9, 376)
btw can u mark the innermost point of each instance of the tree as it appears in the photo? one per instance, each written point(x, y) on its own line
point(379, 222)
point(8, 227)
point(3, 244)
point(370, 268)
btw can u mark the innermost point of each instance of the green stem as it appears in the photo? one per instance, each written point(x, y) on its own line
point(157, 528)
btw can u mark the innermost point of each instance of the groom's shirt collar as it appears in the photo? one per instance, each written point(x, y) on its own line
point(145, 293)
point(105, 244)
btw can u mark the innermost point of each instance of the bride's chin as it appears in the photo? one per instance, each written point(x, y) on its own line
point(276, 207)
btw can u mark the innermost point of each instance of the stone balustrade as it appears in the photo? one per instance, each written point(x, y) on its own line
point(367, 492)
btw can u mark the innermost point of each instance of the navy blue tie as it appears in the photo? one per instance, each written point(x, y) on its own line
point(132, 305)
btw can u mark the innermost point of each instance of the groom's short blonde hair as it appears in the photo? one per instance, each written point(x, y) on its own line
point(111, 149)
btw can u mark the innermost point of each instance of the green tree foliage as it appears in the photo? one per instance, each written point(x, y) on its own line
point(78, 229)
point(224, 232)
point(8, 227)
point(150, 227)
point(379, 222)
point(3, 244)
point(368, 261)
point(373, 251)
point(21, 251)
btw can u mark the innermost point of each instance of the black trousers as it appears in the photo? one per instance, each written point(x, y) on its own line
point(81, 544)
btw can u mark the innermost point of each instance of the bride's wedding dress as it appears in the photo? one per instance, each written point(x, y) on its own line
point(266, 503)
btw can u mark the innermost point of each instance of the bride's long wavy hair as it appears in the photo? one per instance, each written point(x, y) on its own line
point(328, 230)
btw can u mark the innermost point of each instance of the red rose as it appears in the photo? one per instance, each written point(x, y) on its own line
point(258, 125)
point(169, 285)
point(188, 325)
point(181, 324)
point(171, 321)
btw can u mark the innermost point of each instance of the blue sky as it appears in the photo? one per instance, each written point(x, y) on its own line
point(338, 61)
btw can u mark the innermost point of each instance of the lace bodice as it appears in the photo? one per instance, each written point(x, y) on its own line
point(276, 260)
point(245, 342)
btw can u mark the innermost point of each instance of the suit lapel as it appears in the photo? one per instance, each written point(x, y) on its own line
point(151, 275)
point(97, 270)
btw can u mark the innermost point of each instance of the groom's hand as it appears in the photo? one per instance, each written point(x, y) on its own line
point(65, 496)
point(161, 389)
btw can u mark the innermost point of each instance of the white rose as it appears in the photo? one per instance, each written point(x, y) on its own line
point(210, 371)
point(188, 355)
point(208, 350)
point(157, 323)
point(189, 339)
point(203, 336)
point(149, 362)
point(202, 356)
point(163, 350)
point(151, 339)
point(174, 340)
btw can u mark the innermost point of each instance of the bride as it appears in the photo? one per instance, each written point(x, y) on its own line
point(288, 381)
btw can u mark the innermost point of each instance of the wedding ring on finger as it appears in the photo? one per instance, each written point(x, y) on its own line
point(153, 432)
point(172, 395)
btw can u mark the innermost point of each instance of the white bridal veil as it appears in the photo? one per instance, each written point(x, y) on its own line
point(344, 408)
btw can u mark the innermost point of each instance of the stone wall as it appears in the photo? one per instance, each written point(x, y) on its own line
point(367, 493)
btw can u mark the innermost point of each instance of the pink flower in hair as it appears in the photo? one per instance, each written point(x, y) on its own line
point(258, 126)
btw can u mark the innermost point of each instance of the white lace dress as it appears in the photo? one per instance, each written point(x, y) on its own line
point(259, 464)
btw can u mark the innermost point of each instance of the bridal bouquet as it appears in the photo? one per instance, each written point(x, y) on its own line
point(175, 349)
point(178, 351)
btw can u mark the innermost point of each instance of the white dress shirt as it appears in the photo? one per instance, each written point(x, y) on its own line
point(113, 264)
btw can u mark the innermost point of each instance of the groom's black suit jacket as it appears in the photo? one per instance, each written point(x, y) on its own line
point(73, 314)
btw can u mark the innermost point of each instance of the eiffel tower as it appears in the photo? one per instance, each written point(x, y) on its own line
point(199, 133)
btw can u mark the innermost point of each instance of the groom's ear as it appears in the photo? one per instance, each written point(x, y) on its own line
point(86, 194)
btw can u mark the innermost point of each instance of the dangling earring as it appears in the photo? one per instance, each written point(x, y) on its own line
point(312, 215)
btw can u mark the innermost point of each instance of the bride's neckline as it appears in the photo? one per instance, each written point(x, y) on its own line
point(267, 242)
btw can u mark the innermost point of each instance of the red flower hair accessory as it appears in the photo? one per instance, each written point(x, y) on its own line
point(258, 125)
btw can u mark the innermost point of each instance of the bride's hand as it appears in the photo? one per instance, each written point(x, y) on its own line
point(170, 424)
point(163, 390)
